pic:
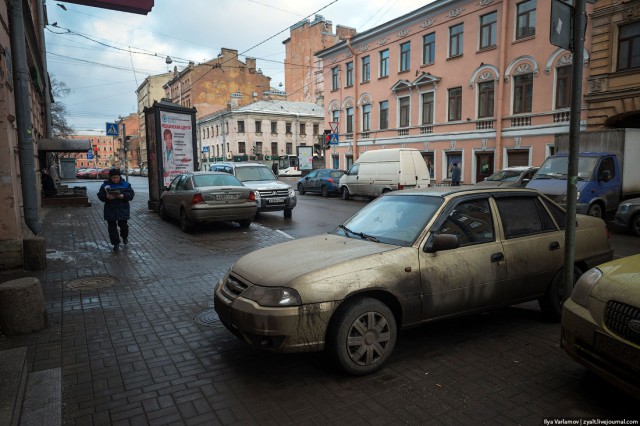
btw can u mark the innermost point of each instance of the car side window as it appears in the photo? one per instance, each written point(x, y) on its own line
point(470, 221)
point(353, 171)
point(313, 174)
point(523, 216)
point(174, 183)
point(558, 214)
point(182, 183)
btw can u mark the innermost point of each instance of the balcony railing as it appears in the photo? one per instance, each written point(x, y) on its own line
point(484, 124)
point(424, 130)
point(348, 136)
point(561, 116)
point(403, 132)
point(521, 121)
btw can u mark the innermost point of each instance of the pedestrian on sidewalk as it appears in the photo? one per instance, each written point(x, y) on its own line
point(116, 193)
point(455, 174)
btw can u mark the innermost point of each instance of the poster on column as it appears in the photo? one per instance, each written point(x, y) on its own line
point(177, 145)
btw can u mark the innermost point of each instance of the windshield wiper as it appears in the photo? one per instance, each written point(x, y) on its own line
point(359, 234)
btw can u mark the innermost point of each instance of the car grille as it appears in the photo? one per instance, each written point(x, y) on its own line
point(274, 193)
point(617, 316)
point(234, 287)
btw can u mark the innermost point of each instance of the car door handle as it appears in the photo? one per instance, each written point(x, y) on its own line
point(554, 245)
point(497, 257)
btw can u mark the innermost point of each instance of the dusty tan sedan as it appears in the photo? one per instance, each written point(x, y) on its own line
point(406, 258)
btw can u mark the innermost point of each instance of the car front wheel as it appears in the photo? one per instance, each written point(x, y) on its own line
point(363, 336)
point(345, 193)
point(162, 212)
point(595, 210)
point(301, 189)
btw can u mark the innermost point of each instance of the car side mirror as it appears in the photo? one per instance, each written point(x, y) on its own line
point(440, 242)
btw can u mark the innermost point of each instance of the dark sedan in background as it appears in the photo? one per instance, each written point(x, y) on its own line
point(204, 197)
point(628, 215)
point(323, 181)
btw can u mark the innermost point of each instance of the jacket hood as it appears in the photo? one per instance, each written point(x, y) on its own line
point(281, 264)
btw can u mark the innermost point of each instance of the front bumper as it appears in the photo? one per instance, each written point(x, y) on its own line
point(266, 204)
point(278, 329)
point(593, 346)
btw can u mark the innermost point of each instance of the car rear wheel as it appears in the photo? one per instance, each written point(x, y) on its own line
point(362, 336)
point(345, 193)
point(551, 302)
point(301, 189)
point(162, 212)
point(635, 224)
point(288, 212)
point(595, 210)
point(185, 223)
point(244, 223)
point(324, 191)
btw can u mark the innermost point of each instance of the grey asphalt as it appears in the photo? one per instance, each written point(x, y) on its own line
point(136, 340)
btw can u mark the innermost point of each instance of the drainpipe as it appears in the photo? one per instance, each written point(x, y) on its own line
point(501, 84)
point(355, 107)
point(26, 144)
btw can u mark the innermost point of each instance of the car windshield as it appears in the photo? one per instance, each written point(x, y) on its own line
point(250, 173)
point(392, 219)
point(504, 175)
point(215, 180)
point(556, 168)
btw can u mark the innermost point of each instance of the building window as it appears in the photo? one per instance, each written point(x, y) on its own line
point(455, 104)
point(427, 108)
point(563, 87)
point(526, 19)
point(274, 148)
point(429, 49)
point(274, 127)
point(335, 116)
point(522, 93)
point(384, 63)
point(404, 106)
point(384, 115)
point(316, 129)
point(485, 99)
point(258, 148)
point(366, 118)
point(258, 126)
point(350, 120)
point(287, 128)
point(405, 56)
point(242, 148)
point(453, 157)
point(366, 69)
point(488, 25)
point(349, 73)
point(456, 40)
point(629, 46)
point(289, 148)
point(334, 78)
point(303, 129)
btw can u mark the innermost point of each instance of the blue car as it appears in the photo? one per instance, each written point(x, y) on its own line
point(324, 181)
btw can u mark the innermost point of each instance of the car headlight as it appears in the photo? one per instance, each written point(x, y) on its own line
point(585, 284)
point(273, 296)
point(292, 192)
point(624, 207)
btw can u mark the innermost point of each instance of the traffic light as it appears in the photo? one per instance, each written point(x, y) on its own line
point(327, 138)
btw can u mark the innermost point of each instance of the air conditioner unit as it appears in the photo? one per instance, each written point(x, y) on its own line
point(229, 155)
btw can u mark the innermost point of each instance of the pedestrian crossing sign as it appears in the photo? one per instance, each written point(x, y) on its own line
point(112, 129)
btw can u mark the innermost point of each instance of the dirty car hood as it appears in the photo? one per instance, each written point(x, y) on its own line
point(280, 264)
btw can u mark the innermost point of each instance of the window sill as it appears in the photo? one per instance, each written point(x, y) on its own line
point(486, 49)
point(382, 77)
point(403, 72)
point(527, 38)
point(450, 58)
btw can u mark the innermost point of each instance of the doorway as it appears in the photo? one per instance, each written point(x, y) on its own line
point(484, 165)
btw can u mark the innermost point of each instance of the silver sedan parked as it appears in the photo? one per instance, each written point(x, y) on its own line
point(204, 197)
point(628, 215)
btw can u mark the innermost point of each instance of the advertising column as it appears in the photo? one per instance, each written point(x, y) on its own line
point(177, 145)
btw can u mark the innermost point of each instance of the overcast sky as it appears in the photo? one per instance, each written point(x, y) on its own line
point(107, 54)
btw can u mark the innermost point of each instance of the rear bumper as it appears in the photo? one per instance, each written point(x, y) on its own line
point(208, 214)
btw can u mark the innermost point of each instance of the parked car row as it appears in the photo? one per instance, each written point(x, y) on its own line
point(93, 173)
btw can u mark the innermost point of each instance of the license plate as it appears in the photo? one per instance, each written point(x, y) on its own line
point(226, 196)
point(616, 350)
point(276, 200)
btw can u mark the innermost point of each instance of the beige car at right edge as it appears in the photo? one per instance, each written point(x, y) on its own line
point(407, 258)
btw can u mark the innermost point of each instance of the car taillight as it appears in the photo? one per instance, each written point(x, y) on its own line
point(400, 187)
point(252, 196)
point(330, 180)
point(197, 199)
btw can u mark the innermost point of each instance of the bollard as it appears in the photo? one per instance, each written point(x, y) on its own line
point(22, 308)
point(34, 253)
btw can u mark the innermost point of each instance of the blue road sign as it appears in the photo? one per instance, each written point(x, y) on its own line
point(112, 129)
point(89, 155)
point(333, 139)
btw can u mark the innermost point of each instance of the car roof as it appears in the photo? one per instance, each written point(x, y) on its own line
point(241, 164)
point(520, 168)
point(444, 191)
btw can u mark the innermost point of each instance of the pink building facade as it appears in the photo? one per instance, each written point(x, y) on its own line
point(472, 82)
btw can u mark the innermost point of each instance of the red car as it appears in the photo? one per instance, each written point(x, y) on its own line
point(103, 173)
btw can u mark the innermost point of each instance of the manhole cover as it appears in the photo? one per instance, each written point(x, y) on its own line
point(90, 283)
point(208, 317)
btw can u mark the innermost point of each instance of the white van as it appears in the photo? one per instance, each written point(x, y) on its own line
point(384, 170)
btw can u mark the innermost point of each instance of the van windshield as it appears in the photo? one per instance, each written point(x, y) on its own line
point(556, 168)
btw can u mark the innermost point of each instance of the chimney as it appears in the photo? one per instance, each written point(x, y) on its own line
point(251, 63)
point(343, 32)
